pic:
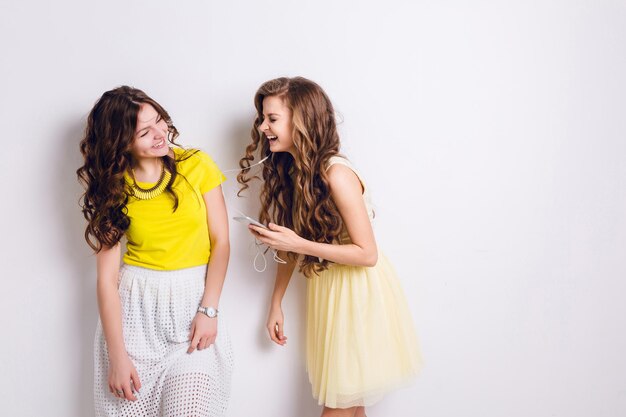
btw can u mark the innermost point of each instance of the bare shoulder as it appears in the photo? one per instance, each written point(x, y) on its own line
point(342, 178)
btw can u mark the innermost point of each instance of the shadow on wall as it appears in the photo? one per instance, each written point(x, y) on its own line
point(299, 401)
point(303, 402)
point(237, 138)
point(68, 192)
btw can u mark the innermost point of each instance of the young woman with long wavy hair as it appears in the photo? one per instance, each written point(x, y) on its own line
point(160, 349)
point(360, 338)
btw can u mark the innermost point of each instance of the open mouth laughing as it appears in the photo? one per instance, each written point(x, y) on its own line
point(159, 144)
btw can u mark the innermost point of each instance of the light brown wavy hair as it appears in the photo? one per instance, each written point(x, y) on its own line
point(106, 148)
point(296, 192)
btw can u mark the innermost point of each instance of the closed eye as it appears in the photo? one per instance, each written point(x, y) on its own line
point(157, 120)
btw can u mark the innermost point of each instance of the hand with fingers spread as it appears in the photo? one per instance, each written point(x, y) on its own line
point(123, 379)
point(203, 332)
point(278, 237)
point(275, 323)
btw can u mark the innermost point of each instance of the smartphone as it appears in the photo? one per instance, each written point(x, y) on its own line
point(250, 220)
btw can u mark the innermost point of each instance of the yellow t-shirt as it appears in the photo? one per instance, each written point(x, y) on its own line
point(161, 239)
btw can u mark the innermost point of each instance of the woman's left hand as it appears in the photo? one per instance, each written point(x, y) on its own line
point(278, 237)
point(203, 332)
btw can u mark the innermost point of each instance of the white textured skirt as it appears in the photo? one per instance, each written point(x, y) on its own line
point(157, 310)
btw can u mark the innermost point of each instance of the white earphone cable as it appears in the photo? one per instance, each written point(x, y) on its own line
point(257, 244)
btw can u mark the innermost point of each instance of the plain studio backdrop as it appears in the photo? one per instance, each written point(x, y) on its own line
point(492, 135)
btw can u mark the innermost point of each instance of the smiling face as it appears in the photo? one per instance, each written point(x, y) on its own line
point(150, 139)
point(277, 127)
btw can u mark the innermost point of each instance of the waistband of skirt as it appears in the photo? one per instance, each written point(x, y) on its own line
point(158, 273)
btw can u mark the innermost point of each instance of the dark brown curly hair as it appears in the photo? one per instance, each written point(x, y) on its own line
point(296, 192)
point(106, 148)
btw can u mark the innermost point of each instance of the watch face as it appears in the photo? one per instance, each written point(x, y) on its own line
point(211, 312)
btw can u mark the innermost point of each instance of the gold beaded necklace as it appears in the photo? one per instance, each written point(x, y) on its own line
point(156, 190)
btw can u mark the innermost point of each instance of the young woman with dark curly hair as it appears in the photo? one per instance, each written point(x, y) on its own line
point(160, 349)
point(360, 337)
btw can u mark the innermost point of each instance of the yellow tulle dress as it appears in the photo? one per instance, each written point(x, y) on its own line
point(361, 341)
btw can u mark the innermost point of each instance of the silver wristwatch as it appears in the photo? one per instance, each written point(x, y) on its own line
point(208, 311)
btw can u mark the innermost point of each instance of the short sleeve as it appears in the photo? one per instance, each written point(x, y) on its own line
point(210, 174)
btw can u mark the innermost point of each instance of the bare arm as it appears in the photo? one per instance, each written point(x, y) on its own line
point(204, 329)
point(276, 319)
point(283, 276)
point(346, 192)
point(121, 369)
point(217, 219)
point(108, 265)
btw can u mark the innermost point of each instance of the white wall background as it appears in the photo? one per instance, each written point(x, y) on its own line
point(492, 134)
